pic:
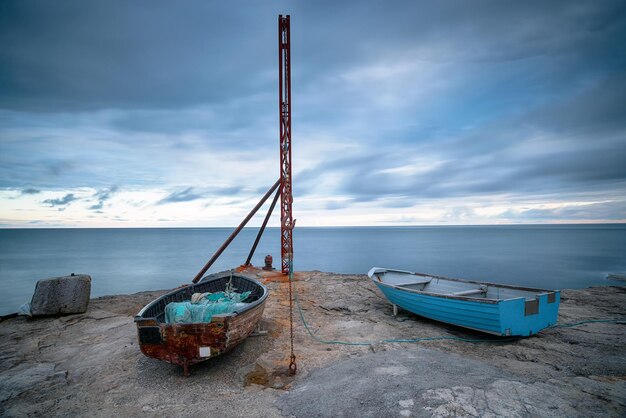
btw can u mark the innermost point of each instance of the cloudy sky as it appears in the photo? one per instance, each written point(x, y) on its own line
point(160, 113)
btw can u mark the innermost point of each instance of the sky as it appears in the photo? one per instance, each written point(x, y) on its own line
point(165, 114)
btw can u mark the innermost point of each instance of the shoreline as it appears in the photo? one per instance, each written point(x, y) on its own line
point(611, 282)
point(90, 363)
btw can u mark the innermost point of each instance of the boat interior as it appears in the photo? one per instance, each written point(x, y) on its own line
point(454, 287)
point(156, 309)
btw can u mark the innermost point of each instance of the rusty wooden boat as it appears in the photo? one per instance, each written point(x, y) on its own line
point(188, 344)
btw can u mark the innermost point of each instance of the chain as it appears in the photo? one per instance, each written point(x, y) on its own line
point(293, 367)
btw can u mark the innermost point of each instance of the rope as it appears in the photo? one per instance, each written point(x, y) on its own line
point(438, 338)
point(589, 321)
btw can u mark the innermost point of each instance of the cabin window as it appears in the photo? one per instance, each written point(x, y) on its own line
point(531, 307)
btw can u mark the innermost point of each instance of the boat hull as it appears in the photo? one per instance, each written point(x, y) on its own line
point(188, 344)
point(510, 317)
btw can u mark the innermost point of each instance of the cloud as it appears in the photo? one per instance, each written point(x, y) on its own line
point(419, 102)
point(459, 213)
point(121, 60)
point(65, 200)
point(227, 190)
point(185, 71)
point(185, 195)
point(102, 196)
point(336, 204)
point(31, 191)
point(545, 151)
point(57, 168)
point(603, 211)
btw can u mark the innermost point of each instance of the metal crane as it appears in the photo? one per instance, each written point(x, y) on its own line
point(283, 184)
point(287, 222)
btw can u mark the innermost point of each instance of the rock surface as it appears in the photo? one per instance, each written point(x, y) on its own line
point(417, 382)
point(61, 295)
point(89, 364)
point(617, 276)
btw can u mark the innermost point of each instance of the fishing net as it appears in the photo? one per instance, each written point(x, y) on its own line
point(203, 306)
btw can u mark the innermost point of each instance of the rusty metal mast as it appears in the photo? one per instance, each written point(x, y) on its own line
point(284, 98)
point(286, 216)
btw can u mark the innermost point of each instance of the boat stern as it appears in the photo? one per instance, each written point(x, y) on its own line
point(183, 344)
point(525, 317)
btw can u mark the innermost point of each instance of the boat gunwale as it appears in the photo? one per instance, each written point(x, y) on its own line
point(376, 270)
point(216, 276)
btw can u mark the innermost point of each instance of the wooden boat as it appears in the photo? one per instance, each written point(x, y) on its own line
point(492, 308)
point(187, 344)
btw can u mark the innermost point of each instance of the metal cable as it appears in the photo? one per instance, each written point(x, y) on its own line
point(293, 367)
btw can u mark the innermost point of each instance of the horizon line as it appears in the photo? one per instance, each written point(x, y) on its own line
point(319, 226)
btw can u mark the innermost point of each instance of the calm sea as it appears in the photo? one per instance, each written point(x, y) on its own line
point(132, 260)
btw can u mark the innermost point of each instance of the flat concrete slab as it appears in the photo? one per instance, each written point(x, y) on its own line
point(425, 382)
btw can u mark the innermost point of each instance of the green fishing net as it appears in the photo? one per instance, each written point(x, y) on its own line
point(204, 307)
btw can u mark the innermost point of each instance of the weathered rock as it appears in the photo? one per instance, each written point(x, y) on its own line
point(617, 276)
point(61, 295)
point(90, 364)
point(42, 376)
point(429, 383)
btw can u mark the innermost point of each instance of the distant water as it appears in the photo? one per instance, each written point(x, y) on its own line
point(132, 260)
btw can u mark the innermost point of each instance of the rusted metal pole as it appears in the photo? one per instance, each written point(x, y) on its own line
point(235, 233)
point(258, 237)
point(284, 109)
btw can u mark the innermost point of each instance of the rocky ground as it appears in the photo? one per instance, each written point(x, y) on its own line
point(89, 364)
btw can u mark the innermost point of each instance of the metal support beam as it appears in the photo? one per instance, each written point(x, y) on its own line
point(235, 233)
point(287, 222)
point(258, 237)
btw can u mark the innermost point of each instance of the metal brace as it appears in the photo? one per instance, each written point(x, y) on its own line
point(258, 332)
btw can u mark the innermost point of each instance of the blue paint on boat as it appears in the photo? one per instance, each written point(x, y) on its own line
point(492, 308)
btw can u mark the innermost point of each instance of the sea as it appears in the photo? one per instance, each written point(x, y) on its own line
point(122, 261)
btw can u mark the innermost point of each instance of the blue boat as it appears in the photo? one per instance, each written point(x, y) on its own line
point(492, 308)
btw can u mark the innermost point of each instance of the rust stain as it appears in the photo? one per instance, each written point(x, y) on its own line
point(278, 277)
point(246, 269)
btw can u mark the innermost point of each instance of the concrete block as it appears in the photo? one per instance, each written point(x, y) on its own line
point(61, 295)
